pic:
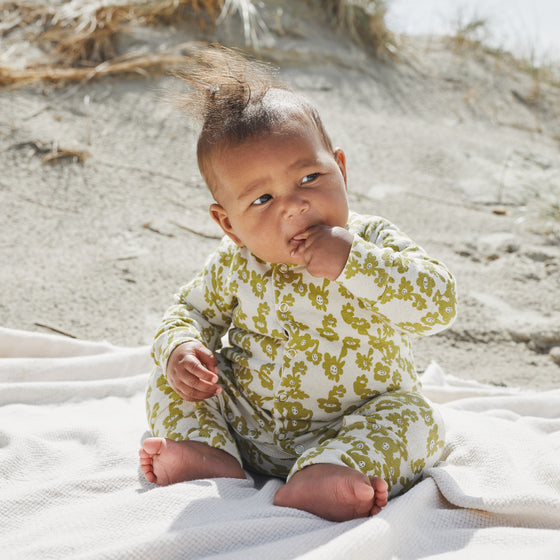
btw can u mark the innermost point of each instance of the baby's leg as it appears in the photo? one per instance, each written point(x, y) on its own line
point(334, 492)
point(388, 442)
point(192, 440)
point(165, 461)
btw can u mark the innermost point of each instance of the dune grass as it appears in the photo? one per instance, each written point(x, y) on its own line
point(473, 34)
point(80, 37)
point(85, 33)
point(365, 21)
point(541, 211)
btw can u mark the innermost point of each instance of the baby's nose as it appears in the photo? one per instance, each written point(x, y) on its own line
point(294, 206)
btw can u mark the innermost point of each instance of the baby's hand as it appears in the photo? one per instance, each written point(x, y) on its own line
point(323, 250)
point(192, 372)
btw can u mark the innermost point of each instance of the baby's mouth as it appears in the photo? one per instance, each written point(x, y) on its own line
point(294, 245)
point(298, 239)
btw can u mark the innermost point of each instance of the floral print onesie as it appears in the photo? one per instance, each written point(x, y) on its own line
point(312, 370)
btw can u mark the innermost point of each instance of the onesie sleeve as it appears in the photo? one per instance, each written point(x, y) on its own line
point(202, 309)
point(396, 279)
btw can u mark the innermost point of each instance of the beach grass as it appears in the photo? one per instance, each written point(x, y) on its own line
point(541, 210)
point(472, 33)
point(80, 38)
point(365, 20)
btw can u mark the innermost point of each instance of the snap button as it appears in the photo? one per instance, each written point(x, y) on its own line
point(283, 268)
point(282, 396)
point(291, 353)
point(284, 307)
point(252, 433)
point(299, 449)
point(281, 436)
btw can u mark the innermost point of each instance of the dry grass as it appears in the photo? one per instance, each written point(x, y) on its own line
point(540, 73)
point(253, 24)
point(53, 153)
point(141, 64)
point(473, 34)
point(365, 21)
point(85, 33)
point(541, 212)
point(80, 38)
point(61, 154)
point(88, 38)
point(16, 14)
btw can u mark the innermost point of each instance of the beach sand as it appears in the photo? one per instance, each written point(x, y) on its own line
point(459, 148)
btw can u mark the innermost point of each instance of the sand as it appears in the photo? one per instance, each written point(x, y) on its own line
point(461, 149)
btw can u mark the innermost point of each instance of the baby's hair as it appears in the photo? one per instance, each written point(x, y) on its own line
point(236, 99)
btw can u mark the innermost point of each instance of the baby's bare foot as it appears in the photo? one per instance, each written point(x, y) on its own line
point(334, 492)
point(164, 461)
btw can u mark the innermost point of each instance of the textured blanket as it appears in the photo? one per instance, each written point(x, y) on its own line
point(72, 418)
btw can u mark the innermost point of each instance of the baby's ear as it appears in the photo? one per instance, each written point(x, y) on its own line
point(340, 158)
point(219, 215)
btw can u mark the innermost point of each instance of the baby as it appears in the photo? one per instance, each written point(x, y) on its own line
point(316, 382)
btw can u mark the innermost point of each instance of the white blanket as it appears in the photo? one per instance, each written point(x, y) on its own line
point(72, 418)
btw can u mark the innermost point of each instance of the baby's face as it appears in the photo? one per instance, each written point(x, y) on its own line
point(272, 188)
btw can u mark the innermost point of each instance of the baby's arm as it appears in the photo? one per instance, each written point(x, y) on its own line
point(395, 278)
point(386, 270)
point(192, 329)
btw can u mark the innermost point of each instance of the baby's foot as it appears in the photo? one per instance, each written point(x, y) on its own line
point(164, 461)
point(334, 492)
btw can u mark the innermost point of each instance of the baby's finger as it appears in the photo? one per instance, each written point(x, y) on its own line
point(193, 394)
point(198, 384)
point(300, 246)
point(303, 252)
point(304, 234)
point(297, 251)
point(305, 241)
point(312, 232)
point(196, 368)
point(208, 359)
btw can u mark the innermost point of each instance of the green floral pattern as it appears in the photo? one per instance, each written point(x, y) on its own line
point(313, 370)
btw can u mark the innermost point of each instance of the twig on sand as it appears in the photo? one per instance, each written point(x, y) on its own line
point(47, 205)
point(150, 227)
point(52, 153)
point(65, 153)
point(54, 329)
point(38, 146)
point(196, 232)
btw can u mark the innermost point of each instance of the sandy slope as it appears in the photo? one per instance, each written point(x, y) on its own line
point(437, 143)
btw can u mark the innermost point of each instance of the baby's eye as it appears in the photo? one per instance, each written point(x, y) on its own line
point(309, 178)
point(262, 199)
